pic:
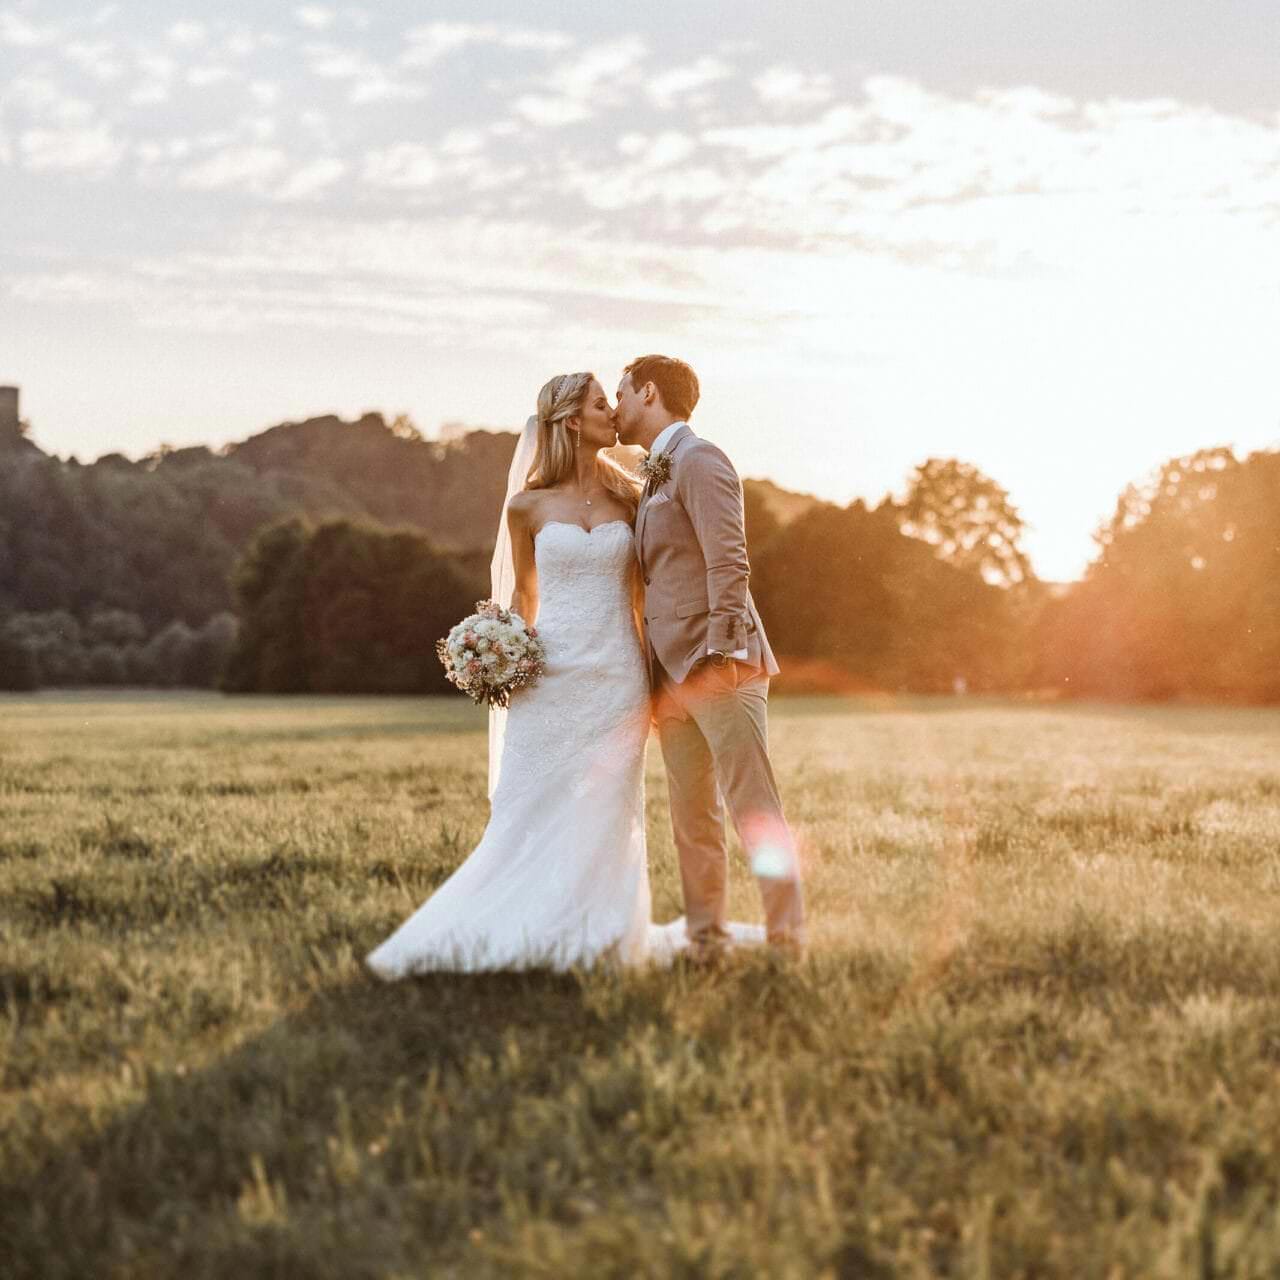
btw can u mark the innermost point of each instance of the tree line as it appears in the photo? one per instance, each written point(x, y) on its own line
point(329, 556)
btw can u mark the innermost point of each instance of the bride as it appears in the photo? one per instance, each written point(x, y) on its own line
point(560, 877)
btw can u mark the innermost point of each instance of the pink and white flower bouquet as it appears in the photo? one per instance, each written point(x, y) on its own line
point(491, 654)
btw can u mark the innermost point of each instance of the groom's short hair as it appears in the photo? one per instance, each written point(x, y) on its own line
point(677, 384)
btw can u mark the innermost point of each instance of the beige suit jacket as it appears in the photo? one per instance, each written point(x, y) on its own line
point(692, 548)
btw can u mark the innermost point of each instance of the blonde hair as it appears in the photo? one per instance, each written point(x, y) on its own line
point(559, 400)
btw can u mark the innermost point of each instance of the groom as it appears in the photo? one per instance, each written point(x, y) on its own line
point(709, 660)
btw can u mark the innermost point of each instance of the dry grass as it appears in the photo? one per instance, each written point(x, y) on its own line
point(1038, 1033)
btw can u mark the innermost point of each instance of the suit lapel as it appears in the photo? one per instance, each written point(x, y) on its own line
point(642, 515)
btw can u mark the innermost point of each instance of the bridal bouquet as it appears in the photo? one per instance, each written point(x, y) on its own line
point(491, 654)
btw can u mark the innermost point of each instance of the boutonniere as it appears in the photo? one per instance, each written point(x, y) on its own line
point(656, 470)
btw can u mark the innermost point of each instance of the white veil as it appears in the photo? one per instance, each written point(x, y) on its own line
point(502, 577)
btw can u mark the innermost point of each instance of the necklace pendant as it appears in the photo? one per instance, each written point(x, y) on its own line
point(588, 502)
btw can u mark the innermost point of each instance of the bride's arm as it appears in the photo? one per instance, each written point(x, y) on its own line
point(637, 599)
point(524, 599)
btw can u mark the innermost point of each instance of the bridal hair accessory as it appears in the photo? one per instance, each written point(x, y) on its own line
point(656, 471)
point(491, 654)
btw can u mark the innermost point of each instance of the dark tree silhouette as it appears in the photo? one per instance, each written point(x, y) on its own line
point(343, 608)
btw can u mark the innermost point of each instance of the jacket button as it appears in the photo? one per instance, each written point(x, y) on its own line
point(646, 580)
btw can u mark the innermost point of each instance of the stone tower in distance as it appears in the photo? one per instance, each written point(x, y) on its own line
point(8, 411)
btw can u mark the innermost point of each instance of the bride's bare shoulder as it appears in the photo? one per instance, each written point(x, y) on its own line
point(524, 506)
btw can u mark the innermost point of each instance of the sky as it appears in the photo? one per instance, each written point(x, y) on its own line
point(1041, 237)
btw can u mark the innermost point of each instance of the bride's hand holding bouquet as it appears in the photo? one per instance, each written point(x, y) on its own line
point(492, 653)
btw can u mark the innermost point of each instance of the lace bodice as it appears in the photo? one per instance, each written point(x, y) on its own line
point(584, 576)
point(595, 691)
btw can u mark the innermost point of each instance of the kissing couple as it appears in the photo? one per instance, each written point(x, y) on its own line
point(639, 593)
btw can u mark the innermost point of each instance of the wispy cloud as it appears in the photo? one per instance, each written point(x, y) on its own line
point(235, 166)
point(315, 16)
point(311, 179)
point(577, 88)
point(188, 33)
point(430, 42)
point(684, 85)
point(98, 58)
point(370, 82)
point(786, 86)
point(407, 166)
point(91, 151)
point(19, 33)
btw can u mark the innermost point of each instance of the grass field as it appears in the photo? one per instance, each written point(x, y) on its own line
point(1038, 1033)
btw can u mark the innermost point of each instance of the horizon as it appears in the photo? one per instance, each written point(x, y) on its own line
point(1040, 243)
point(450, 432)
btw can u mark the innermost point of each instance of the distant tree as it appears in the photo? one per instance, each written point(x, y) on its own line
point(1183, 598)
point(19, 665)
point(116, 627)
point(54, 638)
point(968, 517)
point(848, 586)
point(209, 652)
point(761, 523)
point(167, 654)
point(343, 607)
point(105, 665)
point(270, 584)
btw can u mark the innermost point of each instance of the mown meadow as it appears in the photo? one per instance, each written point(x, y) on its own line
point(1037, 1032)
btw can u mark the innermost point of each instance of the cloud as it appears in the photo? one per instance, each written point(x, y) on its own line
point(42, 99)
point(147, 95)
point(370, 83)
point(596, 77)
point(336, 63)
point(1026, 100)
point(550, 112)
point(462, 142)
point(428, 43)
point(758, 141)
point(315, 16)
point(406, 166)
point(219, 295)
point(681, 84)
point(232, 167)
point(243, 42)
point(598, 69)
point(95, 57)
point(667, 148)
point(159, 66)
point(91, 151)
point(377, 87)
point(188, 33)
point(21, 34)
point(311, 179)
point(210, 73)
point(784, 86)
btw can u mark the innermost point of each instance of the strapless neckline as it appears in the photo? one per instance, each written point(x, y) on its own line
point(573, 524)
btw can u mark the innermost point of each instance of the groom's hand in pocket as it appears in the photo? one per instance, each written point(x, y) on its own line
point(717, 675)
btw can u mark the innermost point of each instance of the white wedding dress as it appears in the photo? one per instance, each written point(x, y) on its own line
point(560, 876)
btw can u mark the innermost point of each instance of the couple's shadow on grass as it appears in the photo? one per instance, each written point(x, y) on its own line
point(295, 1114)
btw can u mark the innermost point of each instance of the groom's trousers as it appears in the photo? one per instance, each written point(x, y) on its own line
point(713, 728)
